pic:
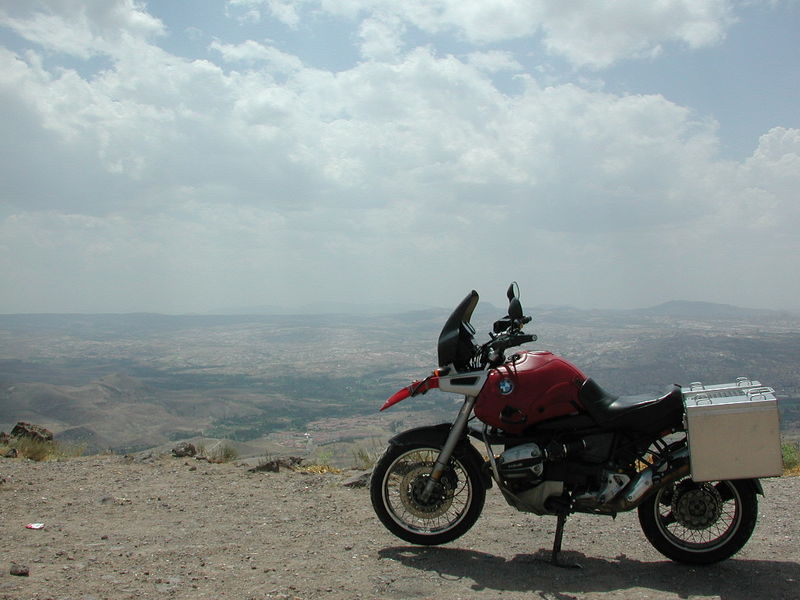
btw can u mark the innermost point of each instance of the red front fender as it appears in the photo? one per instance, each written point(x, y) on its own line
point(416, 388)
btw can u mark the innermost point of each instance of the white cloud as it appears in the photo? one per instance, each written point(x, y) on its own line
point(284, 11)
point(250, 53)
point(494, 61)
point(587, 34)
point(597, 34)
point(769, 180)
point(81, 28)
point(263, 175)
point(381, 38)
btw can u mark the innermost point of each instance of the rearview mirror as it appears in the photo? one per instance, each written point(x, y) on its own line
point(513, 291)
point(514, 305)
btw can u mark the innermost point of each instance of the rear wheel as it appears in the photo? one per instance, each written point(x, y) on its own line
point(700, 523)
point(396, 487)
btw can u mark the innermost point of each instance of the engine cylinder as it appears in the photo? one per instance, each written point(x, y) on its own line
point(523, 462)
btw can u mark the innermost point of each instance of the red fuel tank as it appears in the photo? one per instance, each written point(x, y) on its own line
point(529, 388)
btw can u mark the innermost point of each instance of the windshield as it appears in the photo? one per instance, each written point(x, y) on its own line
point(455, 341)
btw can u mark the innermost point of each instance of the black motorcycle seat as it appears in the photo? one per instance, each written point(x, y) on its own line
point(641, 413)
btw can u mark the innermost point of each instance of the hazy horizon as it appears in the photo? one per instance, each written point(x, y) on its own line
point(391, 309)
point(175, 158)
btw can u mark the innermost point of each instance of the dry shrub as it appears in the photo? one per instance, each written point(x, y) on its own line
point(365, 458)
point(223, 453)
point(41, 450)
point(318, 469)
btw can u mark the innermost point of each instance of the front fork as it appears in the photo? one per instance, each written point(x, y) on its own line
point(456, 431)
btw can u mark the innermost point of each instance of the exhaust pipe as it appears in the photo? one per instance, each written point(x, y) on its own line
point(647, 482)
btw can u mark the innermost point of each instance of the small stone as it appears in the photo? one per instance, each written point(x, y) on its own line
point(20, 570)
point(276, 464)
point(184, 449)
point(358, 480)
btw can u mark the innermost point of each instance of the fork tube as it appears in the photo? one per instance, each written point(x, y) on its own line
point(456, 431)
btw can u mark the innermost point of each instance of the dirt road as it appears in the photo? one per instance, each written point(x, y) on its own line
point(178, 528)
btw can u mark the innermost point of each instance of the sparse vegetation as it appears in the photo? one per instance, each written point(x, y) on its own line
point(222, 453)
point(365, 458)
point(264, 461)
point(791, 458)
point(39, 450)
point(320, 463)
point(318, 469)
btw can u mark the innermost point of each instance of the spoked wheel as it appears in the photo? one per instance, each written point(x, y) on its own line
point(700, 523)
point(396, 489)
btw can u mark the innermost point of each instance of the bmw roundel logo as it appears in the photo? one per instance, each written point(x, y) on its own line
point(506, 386)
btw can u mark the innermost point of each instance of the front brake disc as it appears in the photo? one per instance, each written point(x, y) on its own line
point(412, 486)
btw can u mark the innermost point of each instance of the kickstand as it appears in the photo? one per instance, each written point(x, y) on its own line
point(555, 558)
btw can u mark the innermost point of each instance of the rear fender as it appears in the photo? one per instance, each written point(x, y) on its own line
point(435, 436)
point(756, 485)
point(681, 454)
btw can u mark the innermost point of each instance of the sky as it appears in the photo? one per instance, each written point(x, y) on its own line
point(181, 156)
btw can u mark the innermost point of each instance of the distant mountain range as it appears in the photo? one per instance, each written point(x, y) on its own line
point(322, 308)
point(673, 308)
point(706, 310)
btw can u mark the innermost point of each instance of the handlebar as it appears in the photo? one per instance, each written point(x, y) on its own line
point(506, 333)
point(503, 342)
point(492, 352)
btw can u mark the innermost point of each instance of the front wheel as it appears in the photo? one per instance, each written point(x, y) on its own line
point(396, 488)
point(700, 523)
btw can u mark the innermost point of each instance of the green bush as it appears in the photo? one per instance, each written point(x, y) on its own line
point(791, 455)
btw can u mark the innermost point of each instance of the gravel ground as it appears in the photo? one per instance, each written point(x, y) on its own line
point(178, 528)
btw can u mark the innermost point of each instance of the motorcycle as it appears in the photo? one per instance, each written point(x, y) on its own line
point(565, 446)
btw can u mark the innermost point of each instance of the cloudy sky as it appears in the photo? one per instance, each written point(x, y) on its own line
point(186, 155)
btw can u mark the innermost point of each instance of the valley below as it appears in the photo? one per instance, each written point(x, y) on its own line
point(311, 385)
